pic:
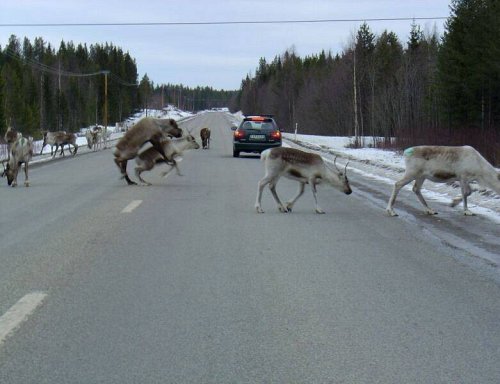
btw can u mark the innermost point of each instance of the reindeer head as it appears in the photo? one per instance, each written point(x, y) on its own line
point(339, 178)
point(8, 171)
point(192, 142)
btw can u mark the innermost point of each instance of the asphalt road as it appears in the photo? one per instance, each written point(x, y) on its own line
point(183, 282)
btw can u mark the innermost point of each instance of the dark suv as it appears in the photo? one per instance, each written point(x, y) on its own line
point(255, 134)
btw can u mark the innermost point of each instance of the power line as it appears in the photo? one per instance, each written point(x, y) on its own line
point(176, 23)
point(56, 71)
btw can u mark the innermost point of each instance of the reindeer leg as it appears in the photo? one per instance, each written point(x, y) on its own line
point(122, 164)
point(313, 188)
point(272, 187)
point(138, 172)
point(397, 187)
point(139, 169)
point(466, 192)
point(416, 189)
point(26, 181)
point(290, 203)
point(174, 165)
point(262, 183)
point(16, 171)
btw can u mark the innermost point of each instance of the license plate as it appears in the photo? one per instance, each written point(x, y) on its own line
point(257, 137)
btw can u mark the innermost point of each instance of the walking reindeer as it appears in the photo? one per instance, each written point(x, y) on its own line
point(21, 152)
point(443, 164)
point(304, 167)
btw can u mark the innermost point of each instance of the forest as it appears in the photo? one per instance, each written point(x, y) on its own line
point(42, 88)
point(428, 90)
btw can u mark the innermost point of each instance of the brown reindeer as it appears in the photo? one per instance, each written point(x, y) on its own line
point(59, 138)
point(11, 135)
point(205, 138)
point(146, 130)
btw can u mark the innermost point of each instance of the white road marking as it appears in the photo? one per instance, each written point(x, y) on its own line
point(19, 312)
point(133, 205)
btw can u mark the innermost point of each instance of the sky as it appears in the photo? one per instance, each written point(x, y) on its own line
point(214, 55)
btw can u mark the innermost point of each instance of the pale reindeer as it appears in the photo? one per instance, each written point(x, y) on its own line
point(172, 147)
point(59, 138)
point(146, 130)
point(20, 152)
point(304, 167)
point(205, 138)
point(94, 138)
point(443, 164)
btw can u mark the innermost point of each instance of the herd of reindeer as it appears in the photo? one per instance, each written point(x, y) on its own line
point(441, 164)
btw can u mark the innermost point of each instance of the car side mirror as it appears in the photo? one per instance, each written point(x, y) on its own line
point(234, 128)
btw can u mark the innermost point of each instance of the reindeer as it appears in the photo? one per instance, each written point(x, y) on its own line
point(94, 138)
point(11, 135)
point(172, 147)
point(59, 138)
point(21, 152)
point(146, 130)
point(205, 138)
point(443, 164)
point(304, 167)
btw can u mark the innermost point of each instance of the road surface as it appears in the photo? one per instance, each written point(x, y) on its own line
point(183, 282)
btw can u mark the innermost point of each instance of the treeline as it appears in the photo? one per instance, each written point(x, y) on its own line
point(185, 98)
point(45, 89)
point(42, 88)
point(428, 90)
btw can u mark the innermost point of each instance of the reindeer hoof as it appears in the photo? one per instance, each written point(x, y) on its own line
point(283, 209)
point(468, 213)
point(26, 184)
point(320, 211)
point(391, 212)
point(430, 212)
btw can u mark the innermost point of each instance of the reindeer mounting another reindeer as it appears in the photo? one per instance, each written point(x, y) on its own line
point(443, 164)
point(146, 130)
point(304, 167)
point(20, 152)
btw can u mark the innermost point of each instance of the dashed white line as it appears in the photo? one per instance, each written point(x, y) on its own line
point(133, 205)
point(19, 312)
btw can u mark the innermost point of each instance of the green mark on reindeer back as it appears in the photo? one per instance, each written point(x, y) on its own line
point(409, 151)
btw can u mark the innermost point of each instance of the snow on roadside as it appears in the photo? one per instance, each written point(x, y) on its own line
point(387, 166)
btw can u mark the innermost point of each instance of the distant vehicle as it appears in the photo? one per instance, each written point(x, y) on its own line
point(255, 134)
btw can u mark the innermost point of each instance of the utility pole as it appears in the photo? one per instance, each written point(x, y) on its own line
point(105, 119)
point(162, 104)
point(41, 103)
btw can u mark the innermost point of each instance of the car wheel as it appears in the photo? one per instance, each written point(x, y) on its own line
point(236, 153)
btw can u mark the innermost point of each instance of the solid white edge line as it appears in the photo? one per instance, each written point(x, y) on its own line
point(19, 312)
point(133, 205)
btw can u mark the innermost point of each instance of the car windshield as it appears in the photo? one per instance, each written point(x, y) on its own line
point(259, 125)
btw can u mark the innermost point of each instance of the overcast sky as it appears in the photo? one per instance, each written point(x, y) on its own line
point(219, 56)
